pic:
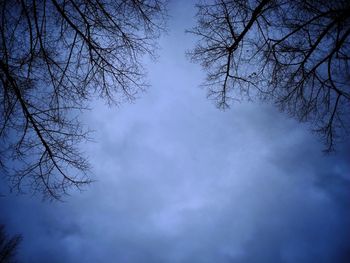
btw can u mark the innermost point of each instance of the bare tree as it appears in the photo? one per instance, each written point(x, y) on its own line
point(55, 55)
point(8, 246)
point(293, 52)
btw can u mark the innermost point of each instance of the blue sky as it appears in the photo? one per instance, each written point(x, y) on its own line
point(178, 180)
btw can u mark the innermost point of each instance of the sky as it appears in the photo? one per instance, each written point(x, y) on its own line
point(178, 180)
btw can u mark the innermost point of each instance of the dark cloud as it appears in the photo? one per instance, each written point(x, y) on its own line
point(179, 181)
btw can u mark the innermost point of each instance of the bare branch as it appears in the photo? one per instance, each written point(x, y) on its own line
point(55, 55)
point(294, 53)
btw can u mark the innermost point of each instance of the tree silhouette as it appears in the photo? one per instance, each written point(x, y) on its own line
point(55, 55)
point(294, 53)
point(8, 246)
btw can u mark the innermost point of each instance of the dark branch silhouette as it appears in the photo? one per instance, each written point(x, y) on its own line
point(8, 246)
point(294, 53)
point(55, 56)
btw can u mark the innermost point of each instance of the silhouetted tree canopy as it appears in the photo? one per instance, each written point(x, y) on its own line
point(55, 56)
point(8, 246)
point(295, 53)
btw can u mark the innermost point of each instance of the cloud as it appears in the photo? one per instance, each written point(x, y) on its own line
point(180, 181)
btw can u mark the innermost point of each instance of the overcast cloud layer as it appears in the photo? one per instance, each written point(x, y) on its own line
point(180, 181)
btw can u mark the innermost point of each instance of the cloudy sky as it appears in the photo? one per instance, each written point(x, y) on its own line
point(181, 181)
